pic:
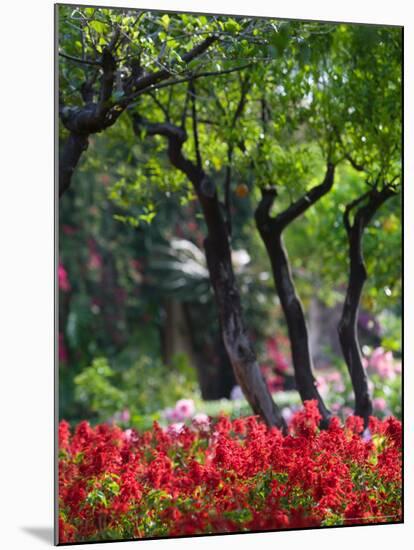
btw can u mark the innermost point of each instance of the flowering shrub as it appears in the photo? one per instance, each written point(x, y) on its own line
point(384, 381)
point(226, 476)
point(135, 394)
point(183, 410)
point(383, 364)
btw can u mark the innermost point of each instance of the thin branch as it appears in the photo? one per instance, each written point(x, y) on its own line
point(242, 102)
point(191, 88)
point(305, 201)
point(347, 155)
point(160, 105)
point(353, 163)
point(151, 79)
point(127, 99)
point(79, 60)
point(227, 183)
point(184, 115)
point(115, 37)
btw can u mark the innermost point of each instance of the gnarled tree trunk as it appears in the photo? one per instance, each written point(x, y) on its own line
point(270, 230)
point(236, 340)
point(348, 324)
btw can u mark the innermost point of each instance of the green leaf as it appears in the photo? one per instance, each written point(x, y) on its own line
point(165, 21)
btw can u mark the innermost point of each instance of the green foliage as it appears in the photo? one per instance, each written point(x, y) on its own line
point(95, 390)
point(145, 387)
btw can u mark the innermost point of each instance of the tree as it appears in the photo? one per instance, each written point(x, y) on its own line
point(372, 144)
point(111, 57)
point(218, 255)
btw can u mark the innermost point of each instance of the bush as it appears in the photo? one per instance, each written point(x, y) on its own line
point(133, 392)
point(384, 380)
point(226, 476)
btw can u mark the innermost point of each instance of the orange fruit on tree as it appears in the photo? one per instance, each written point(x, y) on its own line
point(242, 190)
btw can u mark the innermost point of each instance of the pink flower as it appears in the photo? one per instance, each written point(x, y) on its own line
point(335, 379)
point(169, 414)
point(175, 428)
point(172, 415)
point(130, 436)
point(201, 421)
point(382, 363)
point(366, 435)
point(185, 408)
point(322, 386)
point(287, 413)
point(379, 404)
point(64, 283)
point(122, 416)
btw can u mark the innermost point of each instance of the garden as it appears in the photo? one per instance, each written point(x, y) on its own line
point(229, 274)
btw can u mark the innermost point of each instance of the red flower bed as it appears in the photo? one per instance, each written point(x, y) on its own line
point(230, 476)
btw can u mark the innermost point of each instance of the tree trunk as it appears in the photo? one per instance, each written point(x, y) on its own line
point(270, 230)
point(348, 334)
point(366, 206)
point(235, 338)
point(70, 155)
point(295, 320)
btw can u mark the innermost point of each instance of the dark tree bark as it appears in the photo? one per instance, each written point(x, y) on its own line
point(271, 230)
point(218, 254)
point(70, 155)
point(366, 206)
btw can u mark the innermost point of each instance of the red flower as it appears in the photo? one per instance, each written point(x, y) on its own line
point(238, 476)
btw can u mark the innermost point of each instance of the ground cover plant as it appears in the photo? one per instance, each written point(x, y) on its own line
point(226, 476)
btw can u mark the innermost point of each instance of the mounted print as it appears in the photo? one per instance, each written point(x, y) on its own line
point(229, 274)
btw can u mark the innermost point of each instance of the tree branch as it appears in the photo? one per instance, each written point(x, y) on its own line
point(151, 79)
point(262, 213)
point(305, 201)
point(129, 98)
point(348, 209)
point(191, 89)
point(227, 183)
point(176, 137)
point(79, 60)
point(107, 85)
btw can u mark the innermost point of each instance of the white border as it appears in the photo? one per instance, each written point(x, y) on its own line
point(26, 260)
